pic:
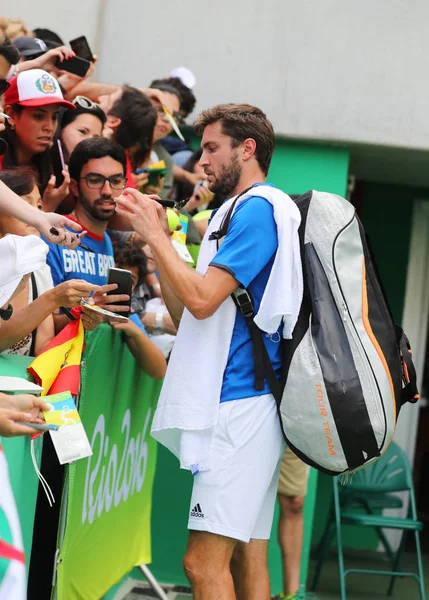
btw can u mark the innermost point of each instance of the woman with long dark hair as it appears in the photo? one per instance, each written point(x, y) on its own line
point(33, 103)
point(88, 120)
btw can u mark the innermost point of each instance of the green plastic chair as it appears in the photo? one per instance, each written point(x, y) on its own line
point(353, 499)
point(372, 489)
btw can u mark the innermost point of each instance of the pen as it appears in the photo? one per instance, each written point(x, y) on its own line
point(40, 427)
point(87, 248)
point(173, 123)
point(55, 231)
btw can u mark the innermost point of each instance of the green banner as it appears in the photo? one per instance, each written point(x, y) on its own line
point(22, 475)
point(108, 510)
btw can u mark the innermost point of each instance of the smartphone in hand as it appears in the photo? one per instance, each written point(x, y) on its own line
point(75, 65)
point(124, 280)
point(81, 48)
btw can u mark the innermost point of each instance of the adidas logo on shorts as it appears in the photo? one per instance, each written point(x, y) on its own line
point(197, 512)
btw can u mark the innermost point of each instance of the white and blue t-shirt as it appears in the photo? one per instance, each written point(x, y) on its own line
point(248, 253)
point(81, 264)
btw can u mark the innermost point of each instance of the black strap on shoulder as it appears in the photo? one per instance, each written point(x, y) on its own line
point(263, 365)
point(34, 332)
point(221, 232)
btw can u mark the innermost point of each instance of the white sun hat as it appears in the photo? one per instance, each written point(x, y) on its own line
point(185, 75)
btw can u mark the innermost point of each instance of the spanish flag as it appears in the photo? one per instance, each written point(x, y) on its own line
point(57, 368)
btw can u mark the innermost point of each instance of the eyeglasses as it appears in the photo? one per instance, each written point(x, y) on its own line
point(85, 102)
point(4, 86)
point(179, 118)
point(96, 181)
point(176, 115)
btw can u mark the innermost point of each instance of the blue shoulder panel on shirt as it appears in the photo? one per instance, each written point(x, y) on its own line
point(251, 240)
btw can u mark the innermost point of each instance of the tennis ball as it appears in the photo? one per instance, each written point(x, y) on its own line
point(173, 219)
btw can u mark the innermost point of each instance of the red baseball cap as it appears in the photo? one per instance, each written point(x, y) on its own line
point(35, 87)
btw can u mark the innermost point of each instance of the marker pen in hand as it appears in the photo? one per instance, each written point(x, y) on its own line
point(39, 426)
point(54, 231)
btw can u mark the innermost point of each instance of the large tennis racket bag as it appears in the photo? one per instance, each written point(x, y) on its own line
point(348, 369)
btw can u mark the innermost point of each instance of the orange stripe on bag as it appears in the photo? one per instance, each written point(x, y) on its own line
point(372, 337)
point(405, 368)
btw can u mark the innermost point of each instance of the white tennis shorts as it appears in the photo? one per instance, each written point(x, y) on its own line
point(236, 497)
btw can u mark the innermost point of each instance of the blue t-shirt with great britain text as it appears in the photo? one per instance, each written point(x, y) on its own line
point(81, 264)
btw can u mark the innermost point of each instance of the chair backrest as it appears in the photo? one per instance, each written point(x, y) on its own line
point(389, 473)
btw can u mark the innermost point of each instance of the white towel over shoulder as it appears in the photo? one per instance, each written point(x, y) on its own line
point(187, 412)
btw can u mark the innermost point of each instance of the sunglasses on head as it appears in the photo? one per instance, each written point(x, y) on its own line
point(4, 86)
point(84, 102)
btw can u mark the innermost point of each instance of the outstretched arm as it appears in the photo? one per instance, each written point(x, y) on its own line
point(14, 206)
point(201, 294)
point(149, 357)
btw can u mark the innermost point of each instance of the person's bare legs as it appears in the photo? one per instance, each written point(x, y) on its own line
point(249, 567)
point(290, 536)
point(207, 565)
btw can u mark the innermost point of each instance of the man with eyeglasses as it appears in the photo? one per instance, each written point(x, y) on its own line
point(97, 170)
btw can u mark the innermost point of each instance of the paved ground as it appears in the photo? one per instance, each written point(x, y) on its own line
point(359, 587)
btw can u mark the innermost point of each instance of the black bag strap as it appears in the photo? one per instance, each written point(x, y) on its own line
point(34, 332)
point(244, 303)
point(409, 392)
point(263, 365)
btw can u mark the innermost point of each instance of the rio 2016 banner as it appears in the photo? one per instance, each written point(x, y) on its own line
point(107, 526)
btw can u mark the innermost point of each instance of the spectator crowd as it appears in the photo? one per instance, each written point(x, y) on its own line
point(69, 147)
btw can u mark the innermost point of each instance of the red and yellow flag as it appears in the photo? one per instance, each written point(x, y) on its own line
point(57, 368)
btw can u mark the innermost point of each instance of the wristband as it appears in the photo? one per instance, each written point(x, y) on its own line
point(156, 286)
point(159, 321)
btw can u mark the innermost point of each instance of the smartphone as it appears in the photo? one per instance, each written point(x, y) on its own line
point(76, 65)
point(81, 48)
point(124, 280)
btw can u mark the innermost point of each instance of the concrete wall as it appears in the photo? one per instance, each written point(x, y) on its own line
point(328, 69)
point(68, 19)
